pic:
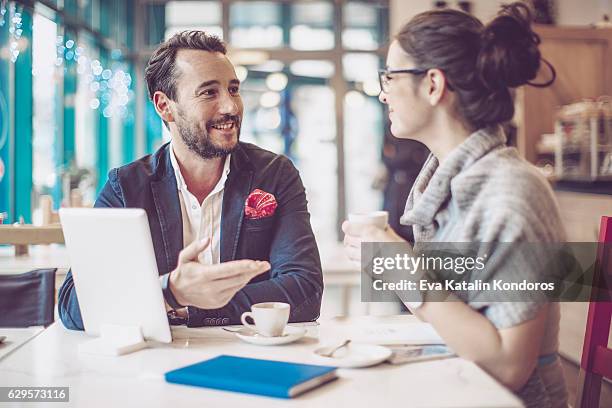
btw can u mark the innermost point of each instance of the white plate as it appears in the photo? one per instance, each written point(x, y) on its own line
point(354, 355)
point(291, 334)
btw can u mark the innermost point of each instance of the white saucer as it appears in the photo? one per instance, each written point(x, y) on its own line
point(291, 334)
point(354, 355)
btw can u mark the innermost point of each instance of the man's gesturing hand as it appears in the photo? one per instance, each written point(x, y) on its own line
point(210, 286)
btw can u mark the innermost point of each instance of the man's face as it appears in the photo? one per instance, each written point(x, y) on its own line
point(208, 107)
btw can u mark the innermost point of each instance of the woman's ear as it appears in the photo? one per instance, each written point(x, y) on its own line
point(437, 85)
point(162, 106)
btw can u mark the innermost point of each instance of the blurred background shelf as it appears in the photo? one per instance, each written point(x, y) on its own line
point(582, 58)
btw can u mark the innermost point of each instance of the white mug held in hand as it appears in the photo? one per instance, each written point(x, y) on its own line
point(270, 318)
point(379, 219)
point(358, 221)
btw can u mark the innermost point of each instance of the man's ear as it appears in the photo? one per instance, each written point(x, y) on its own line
point(162, 106)
point(437, 85)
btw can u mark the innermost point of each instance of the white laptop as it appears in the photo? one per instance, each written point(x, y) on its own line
point(114, 270)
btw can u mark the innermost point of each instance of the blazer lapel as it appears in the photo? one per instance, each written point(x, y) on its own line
point(168, 209)
point(235, 194)
point(237, 189)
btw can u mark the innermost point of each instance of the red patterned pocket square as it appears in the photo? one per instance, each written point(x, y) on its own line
point(259, 204)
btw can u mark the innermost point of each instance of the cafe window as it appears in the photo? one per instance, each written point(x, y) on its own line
point(312, 26)
point(256, 24)
point(363, 126)
point(316, 154)
point(46, 79)
point(360, 67)
point(364, 25)
point(5, 110)
point(313, 68)
point(87, 104)
point(193, 15)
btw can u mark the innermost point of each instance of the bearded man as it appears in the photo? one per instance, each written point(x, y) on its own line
point(229, 220)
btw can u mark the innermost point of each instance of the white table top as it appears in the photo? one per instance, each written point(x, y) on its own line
point(51, 359)
point(15, 338)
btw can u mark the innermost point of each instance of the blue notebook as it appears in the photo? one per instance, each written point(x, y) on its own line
point(253, 376)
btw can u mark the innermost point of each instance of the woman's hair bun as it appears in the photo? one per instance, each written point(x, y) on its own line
point(509, 55)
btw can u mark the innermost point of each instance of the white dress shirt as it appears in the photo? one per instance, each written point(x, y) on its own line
point(201, 221)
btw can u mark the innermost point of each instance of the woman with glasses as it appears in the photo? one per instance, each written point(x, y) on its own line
point(448, 84)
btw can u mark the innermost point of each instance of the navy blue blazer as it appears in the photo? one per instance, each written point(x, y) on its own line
point(285, 239)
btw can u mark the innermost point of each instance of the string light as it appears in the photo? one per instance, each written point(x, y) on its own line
point(15, 30)
point(109, 86)
point(2, 13)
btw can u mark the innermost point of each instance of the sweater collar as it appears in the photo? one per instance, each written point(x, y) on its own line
point(432, 188)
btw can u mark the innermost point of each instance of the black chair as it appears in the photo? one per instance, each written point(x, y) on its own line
point(27, 299)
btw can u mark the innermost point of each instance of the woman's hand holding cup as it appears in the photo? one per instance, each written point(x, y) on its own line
point(366, 227)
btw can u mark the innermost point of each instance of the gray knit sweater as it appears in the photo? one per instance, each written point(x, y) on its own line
point(485, 192)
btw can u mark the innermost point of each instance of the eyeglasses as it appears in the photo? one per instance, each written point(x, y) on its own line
point(383, 75)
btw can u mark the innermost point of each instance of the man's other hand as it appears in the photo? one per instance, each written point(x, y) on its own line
point(210, 286)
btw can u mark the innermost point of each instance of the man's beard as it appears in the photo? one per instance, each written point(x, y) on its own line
point(198, 140)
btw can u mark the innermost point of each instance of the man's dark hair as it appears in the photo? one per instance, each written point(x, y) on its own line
point(160, 72)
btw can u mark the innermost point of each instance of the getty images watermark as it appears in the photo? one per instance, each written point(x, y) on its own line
point(485, 272)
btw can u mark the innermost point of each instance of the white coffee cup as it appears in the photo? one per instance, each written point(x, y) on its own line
point(379, 219)
point(270, 318)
